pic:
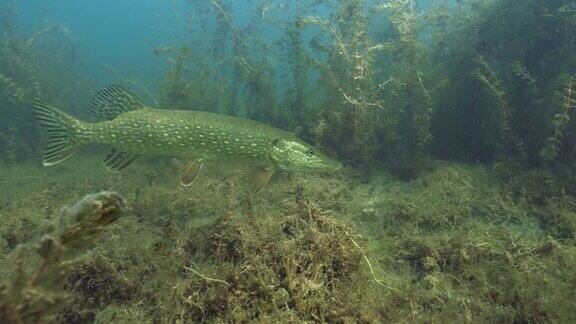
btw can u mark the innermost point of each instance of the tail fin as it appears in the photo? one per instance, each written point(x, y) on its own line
point(61, 142)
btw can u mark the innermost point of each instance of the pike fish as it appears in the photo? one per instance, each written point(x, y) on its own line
point(132, 129)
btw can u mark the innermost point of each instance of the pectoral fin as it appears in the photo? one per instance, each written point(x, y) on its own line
point(259, 178)
point(190, 172)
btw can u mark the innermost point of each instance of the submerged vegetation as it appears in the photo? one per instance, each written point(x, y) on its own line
point(31, 295)
point(28, 67)
point(453, 245)
point(395, 89)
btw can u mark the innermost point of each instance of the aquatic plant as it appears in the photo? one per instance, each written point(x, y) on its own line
point(176, 92)
point(28, 66)
point(299, 65)
point(414, 81)
point(351, 109)
point(519, 62)
point(567, 101)
point(373, 101)
point(494, 88)
point(31, 296)
point(224, 30)
point(253, 68)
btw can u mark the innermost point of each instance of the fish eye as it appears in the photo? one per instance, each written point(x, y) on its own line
point(310, 152)
point(275, 142)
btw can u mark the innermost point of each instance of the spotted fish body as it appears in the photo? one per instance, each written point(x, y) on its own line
point(187, 134)
point(132, 129)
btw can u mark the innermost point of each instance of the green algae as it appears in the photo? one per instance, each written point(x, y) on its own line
point(454, 244)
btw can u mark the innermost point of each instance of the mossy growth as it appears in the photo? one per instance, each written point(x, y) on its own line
point(455, 244)
point(447, 197)
point(494, 276)
point(304, 266)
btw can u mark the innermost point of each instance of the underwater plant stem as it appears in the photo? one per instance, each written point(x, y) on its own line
point(562, 119)
point(207, 278)
point(426, 92)
point(339, 42)
point(138, 83)
point(32, 282)
point(567, 104)
point(372, 268)
point(226, 15)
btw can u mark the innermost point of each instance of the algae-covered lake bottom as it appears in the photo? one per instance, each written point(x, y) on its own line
point(458, 243)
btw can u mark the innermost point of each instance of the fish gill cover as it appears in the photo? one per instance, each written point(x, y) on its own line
point(454, 121)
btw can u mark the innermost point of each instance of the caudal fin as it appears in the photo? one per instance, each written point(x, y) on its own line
point(61, 142)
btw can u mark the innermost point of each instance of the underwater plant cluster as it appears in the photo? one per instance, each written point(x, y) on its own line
point(455, 121)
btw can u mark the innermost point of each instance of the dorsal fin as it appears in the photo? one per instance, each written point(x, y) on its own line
point(114, 100)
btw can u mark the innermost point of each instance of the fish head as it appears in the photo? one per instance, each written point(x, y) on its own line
point(295, 155)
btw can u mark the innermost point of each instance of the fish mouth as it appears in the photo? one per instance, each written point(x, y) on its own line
point(318, 166)
point(330, 167)
point(337, 167)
